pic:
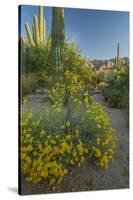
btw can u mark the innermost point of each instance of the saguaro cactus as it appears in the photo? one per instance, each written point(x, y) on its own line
point(118, 61)
point(118, 56)
point(38, 35)
point(57, 43)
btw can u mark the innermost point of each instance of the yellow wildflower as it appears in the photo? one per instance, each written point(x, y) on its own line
point(72, 162)
point(58, 109)
point(68, 123)
point(62, 126)
point(42, 133)
point(52, 181)
point(65, 171)
point(68, 137)
point(74, 153)
point(59, 180)
point(30, 115)
point(82, 159)
point(28, 136)
point(52, 141)
point(35, 153)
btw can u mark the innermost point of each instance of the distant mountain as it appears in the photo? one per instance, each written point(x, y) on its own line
point(98, 63)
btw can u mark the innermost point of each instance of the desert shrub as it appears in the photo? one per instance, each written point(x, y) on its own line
point(70, 89)
point(90, 119)
point(28, 83)
point(110, 77)
point(47, 151)
point(44, 79)
point(75, 63)
point(41, 59)
point(37, 60)
point(117, 92)
point(72, 58)
point(102, 85)
point(64, 136)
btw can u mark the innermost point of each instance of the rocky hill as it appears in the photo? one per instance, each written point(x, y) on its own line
point(106, 63)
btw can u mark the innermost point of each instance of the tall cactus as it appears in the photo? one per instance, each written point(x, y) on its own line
point(57, 43)
point(41, 24)
point(118, 60)
point(29, 34)
point(38, 35)
point(118, 56)
point(44, 30)
point(37, 38)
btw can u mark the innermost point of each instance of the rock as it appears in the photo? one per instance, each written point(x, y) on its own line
point(45, 91)
point(38, 91)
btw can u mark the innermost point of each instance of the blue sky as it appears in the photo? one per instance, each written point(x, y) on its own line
point(96, 32)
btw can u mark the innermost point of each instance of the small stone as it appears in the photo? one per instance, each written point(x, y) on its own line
point(38, 91)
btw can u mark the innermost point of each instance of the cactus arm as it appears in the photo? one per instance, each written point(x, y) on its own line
point(37, 38)
point(115, 62)
point(41, 24)
point(29, 35)
point(118, 55)
point(33, 32)
point(38, 35)
point(44, 30)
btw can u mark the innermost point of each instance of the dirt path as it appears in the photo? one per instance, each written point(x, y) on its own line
point(118, 173)
point(88, 177)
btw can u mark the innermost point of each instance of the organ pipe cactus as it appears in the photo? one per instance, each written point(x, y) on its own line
point(29, 34)
point(44, 30)
point(33, 32)
point(38, 35)
point(41, 24)
point(57, 43)
point(36, 30)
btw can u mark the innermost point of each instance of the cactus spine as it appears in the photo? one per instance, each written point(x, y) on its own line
point(38, 35)
point(57, 43)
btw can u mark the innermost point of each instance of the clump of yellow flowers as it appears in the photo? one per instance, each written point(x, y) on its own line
point(54, 142)
point(48, 157)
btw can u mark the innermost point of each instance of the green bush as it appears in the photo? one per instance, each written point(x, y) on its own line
point(102, 85)
point(41, 59)
point(28, 83)
point(37, 60)
point(117, 91)
point(75, 63)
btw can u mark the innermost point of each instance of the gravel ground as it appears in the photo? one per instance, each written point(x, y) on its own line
point(88, 177)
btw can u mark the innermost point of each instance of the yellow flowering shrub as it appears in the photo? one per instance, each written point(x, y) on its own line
point(103, 149)
point(68, 92)
point(64, 136)
point(45, 156)
point(92, 121)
